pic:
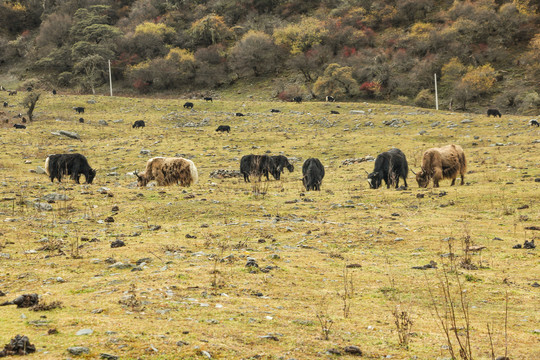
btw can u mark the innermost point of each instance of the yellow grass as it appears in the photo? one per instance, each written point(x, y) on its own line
point(189, 295)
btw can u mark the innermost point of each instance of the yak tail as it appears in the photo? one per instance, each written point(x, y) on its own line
point(462, 162)
point(47, 166)
point(194, 173)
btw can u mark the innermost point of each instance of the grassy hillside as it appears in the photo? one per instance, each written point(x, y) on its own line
point(180, 288)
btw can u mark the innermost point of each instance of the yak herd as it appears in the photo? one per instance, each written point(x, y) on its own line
point(437, 164)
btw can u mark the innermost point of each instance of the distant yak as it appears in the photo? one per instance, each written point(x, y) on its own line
point(138, 124)
point(330, 99)
point(493, 112)
point(188, 105)
point(208, 99)
point(223, 128)
point(79, 109)
point(18, 126)
point(258, 165)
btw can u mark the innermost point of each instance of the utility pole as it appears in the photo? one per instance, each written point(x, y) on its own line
point(110, 77)
point(436, 96)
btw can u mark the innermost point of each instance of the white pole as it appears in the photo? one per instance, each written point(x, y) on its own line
point(436, 96)
point(110, 76)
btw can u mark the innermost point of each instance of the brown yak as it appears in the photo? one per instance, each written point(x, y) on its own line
point(442, 163)
point(168, 171)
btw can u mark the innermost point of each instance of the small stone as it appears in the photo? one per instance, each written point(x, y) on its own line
point(78, 350)
point(353, 350)
point(108, 356)
point(84, 332)
point(117, 243)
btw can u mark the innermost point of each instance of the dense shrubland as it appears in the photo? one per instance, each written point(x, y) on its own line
point(484, 52)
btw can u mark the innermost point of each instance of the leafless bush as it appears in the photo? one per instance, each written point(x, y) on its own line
point(404, 323)
point(325, 321)
point(347, 293)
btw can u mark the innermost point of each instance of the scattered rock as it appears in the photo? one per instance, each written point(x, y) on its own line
point(145, 152)
point(109, 219)
point(188, 236)
point(353, 266)
point(420, 196)
point(353, 350)
point(69, 134)
point(19, 345)
point(78, 350)
point(432, 265)
point(108, 356)
point(357, 160)
point(40, 170)
point(84, 332)
point(55, 197)
point(103, 122)
point(117, 243)
point(225, 174)
point(526, 245)
point(251, 262)
point(115, 208)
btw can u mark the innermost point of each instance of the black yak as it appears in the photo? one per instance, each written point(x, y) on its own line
point(313, 173)
point(138, 124)
point(493, 112)
point(188, 105)
point(223, 128)
point(389, 166)
point(258, 165)
point(74, 165)
point(281, 162)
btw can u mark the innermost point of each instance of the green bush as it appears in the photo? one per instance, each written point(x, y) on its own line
point(424, 99)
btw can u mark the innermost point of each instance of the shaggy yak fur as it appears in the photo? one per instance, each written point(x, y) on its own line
point(280, 163)
point(389, 166)
point(313, 173)
point(258, 165)
point(169, 171)
point(74, 165)
point(442, 163)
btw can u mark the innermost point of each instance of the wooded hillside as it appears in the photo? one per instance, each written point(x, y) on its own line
point(484, 52)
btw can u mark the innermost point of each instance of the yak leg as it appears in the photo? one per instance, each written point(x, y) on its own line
point(405, 182)
point(462, 179)
point(453, 182)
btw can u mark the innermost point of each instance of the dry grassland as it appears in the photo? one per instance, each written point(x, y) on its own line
point(195, 297)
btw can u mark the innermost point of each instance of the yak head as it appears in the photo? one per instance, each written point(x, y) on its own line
point(141, 180)
point(374, 179)
point(422, 178)
point(290, 167)
point(91, 176)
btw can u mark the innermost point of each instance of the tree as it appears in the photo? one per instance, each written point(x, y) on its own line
point(256, 53)
point(29, 103)
point(300, 37)
point(336, 81)
point(209, 30)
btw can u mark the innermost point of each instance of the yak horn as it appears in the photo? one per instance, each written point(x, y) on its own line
point(413, 171)
point(366, 171)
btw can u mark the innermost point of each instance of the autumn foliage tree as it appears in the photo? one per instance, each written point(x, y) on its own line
point(336, 81)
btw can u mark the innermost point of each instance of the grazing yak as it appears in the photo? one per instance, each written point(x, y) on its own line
point(389, 166)
point(188, 105)
point(534, 122)
point(12, 92)
point(81, 120)
point(297, 99)
point(330, 99)
point(54, 91)
point(138, 124)
point(281, 162)
point(169, 171)
point(208, 99)
point(223, 128)
point(334, 112)
point(79, 109)
point(74, 165)
point(313, 173)
point(5, 104)
point(239, 114)
point(18, 126)
point(258, 165)
point(275, 111)
point(493, 112)
point(442, 163)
